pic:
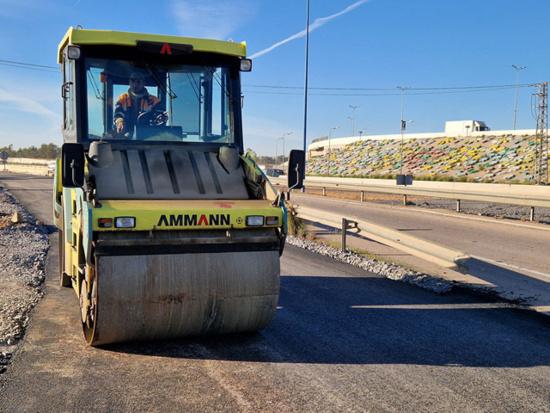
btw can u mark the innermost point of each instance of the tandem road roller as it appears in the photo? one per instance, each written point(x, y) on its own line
point(167, 227)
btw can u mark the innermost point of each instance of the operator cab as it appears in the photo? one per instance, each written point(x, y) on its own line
point(192, 103)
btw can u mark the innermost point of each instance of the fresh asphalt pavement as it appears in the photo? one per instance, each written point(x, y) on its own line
point(342, 340)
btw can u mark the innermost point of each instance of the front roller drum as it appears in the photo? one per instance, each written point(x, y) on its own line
point(148, 297)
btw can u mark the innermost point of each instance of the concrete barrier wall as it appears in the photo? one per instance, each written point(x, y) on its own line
point(27, 166)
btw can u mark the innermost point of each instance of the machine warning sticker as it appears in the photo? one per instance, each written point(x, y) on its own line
point(193, 220)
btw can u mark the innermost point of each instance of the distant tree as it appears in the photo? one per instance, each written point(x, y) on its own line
point(45, 151)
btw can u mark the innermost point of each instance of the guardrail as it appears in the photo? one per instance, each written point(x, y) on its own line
point(522, 195)
point(426, 250)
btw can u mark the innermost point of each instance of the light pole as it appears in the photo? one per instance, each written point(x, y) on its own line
point(350, 118)
point(403, 127)
point(306, 74)
point(353, 108)
point(403, 124)
point(283, 139)
point(517, 69)
point(329, 151)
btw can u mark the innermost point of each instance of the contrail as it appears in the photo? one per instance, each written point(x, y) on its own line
point(321, 21)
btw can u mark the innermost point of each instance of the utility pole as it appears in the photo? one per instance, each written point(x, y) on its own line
point(353, 108)
point(516, 103)
point(541, 137)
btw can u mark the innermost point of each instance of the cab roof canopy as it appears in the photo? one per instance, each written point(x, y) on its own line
point(114, 38)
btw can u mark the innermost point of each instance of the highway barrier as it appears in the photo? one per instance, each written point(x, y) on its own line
point(417, 247)
point(523, 195)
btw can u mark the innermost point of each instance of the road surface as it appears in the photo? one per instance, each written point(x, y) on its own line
point(343, 340)
point(516, 245)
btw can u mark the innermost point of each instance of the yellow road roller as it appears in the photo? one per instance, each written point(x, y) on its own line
point(167, 228)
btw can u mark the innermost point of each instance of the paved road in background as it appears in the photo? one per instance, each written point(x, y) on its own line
point(517, 245)
point(343, 340)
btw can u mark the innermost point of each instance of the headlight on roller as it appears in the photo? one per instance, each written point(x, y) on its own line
point(254, 221)
point(125, 222)
point(272, 220)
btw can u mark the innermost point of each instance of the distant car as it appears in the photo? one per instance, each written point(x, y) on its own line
point(274, 172)
point(51, 169)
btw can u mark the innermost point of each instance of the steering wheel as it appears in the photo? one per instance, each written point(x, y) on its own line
point(152, 118)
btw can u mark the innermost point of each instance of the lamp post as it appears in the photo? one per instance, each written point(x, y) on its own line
point(352, 118)
point(403, 128)
point(403, 124)
point(329, 151)
point(517, 69)
point(306, 74)
point(283, 138)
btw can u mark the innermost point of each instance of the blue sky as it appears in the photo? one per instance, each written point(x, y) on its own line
point(368, 44)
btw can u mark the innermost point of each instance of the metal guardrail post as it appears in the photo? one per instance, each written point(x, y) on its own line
point(458, 205)
point(362, 196)
point(404, 199)
point(344, 233)
point(532, 214)
point(347, 224)
point(324, 191)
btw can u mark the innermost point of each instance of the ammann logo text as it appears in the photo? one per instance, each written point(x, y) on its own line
point(182, 220)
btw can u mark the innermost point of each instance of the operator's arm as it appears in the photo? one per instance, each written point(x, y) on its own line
point(121, 108)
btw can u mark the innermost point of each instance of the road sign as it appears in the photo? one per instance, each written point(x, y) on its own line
point(4, 158)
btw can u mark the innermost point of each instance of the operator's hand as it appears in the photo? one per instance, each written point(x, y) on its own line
point(119, 125)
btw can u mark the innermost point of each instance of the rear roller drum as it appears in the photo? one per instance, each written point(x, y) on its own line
point(147, 297)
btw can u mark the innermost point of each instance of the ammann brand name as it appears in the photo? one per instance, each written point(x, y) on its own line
point(184, 220)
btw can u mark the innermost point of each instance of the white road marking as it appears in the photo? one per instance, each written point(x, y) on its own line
point(457, 306)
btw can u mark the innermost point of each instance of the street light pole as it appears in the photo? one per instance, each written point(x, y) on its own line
point(306, 75)
point(353, 108)
point(329, 150)
point(350, 118)
point(283, 138)
point(403, 127)
point(517, 69)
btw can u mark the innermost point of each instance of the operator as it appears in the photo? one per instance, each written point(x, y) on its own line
point(133, 103)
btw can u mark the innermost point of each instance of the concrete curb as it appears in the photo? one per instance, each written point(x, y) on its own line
point(444, 257)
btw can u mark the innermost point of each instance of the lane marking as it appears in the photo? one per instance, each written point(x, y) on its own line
point(455, 306)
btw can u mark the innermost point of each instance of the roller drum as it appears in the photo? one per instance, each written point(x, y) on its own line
point(146, 297)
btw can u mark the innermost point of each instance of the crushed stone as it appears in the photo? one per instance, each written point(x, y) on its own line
point(387, 270)
point(23, 249)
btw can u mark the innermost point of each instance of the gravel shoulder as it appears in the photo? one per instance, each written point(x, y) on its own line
point(23, 250)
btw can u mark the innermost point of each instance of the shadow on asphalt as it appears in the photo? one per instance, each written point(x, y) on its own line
point(317, 323)
point(505, 279)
